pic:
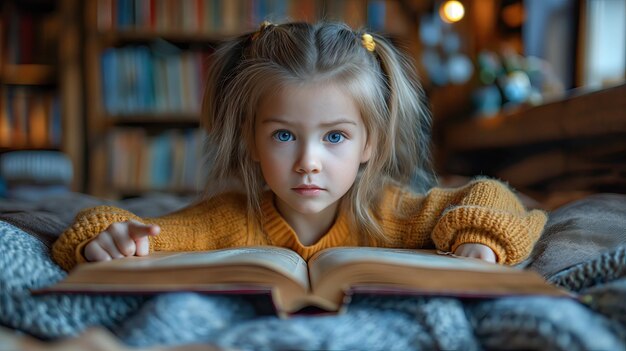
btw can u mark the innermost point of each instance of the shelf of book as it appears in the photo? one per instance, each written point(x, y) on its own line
point(28, 74)
point(165, 160)
point(4, 148)
point(135, 192)
point(39, 78)
point(30, 118)
point(146, 62)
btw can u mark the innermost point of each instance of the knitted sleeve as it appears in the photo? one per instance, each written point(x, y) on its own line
point(218, 223)
point(489, 213)
point(484, 211)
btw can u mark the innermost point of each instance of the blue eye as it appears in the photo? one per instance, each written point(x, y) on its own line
point(283, 136)
point(334, 137)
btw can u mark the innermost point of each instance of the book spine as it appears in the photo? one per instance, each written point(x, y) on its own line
point(104, 15)
point(185, 82)
point(27, 39)
point(108, 69)
point(37, 120)
point(56, 124)
point(5, 122)
point(17, 113)
point(13, 39)
point(376, 15)
point(166, 160)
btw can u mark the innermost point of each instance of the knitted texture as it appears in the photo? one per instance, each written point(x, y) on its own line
point(540, 323)
point(370, 323)
point(562, 324)
point(608, 267)
point(25, 264)
point(602, 283)
point(484, 211)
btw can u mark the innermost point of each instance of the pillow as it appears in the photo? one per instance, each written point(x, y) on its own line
point(580, 231)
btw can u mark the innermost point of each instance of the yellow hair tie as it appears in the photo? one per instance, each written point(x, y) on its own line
point(262, 27)
point(368, 42)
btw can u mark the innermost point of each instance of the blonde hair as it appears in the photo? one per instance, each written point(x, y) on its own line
point(383, 83)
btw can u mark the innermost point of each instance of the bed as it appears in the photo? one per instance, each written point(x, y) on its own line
point(583, 249)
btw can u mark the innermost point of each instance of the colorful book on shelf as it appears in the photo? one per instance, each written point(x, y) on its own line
point(29, 117)
point(160, 79)
point(5, 122)
point(376, 14)
point(325, 282)
point(55, 132)
point(163, 161)
point(225, 17)
point(37, 122)
point(18, 107)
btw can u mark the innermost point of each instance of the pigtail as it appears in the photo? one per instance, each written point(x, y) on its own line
point(409, 119)
point(399, 125)
point(221, 124)
point(223, 64)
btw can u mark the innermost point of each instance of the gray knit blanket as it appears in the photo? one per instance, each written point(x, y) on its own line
point(583, 249)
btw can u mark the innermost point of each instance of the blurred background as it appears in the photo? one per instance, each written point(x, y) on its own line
point(103, 96)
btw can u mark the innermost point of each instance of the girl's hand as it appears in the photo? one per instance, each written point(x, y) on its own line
point(480, 251)
point(120, 240)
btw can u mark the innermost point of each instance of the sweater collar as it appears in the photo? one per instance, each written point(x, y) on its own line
point(281, 233)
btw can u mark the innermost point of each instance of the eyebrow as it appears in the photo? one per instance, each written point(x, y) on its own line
point(327, 124)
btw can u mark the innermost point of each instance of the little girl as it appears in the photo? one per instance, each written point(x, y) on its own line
point(318, 137)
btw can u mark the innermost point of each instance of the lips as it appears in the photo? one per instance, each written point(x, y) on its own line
point(308, 186)
point(308, 189)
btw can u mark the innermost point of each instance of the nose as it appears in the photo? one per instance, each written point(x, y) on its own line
point(309, 161)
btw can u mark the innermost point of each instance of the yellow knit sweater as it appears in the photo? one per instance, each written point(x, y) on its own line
point(483, 211)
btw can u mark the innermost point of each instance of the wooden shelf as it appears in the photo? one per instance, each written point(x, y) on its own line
point(153, 120)
point(148, 121)
point(581, 115)
point(125, 192)
point(571, 145)
point(28, 74)
point(131, 35)
point(37, 6)
point(27, 147)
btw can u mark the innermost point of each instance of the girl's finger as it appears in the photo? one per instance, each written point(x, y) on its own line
point(489, 256)
point(107, 243)
point(124, 243)
point(94, 252)
point(139, 230)
point(143, 246)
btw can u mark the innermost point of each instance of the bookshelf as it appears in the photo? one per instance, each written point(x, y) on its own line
point(40, 75)
point(145, 64)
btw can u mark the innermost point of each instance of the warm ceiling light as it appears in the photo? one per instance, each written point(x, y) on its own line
point(451, 11)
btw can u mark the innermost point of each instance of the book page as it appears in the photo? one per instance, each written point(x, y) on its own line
point(279, 259)
point(327, 260)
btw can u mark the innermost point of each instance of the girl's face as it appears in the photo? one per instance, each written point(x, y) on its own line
point(309, 141)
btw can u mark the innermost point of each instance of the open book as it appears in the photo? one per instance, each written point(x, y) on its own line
point(324, 282)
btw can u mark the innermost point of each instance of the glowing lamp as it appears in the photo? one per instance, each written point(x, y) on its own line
point(451, 11)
